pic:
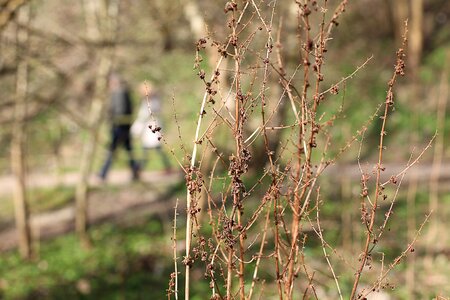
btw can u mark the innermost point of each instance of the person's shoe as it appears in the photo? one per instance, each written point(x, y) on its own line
point(136, 173)
point(98, 180)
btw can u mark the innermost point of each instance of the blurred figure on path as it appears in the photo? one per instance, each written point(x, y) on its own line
point(147, 125)
point(120, 113)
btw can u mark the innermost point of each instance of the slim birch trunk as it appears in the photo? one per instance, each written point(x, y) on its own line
point(415, 43)
point(438, 155)
point(18, 143)
point(415, 54)
point(400, 12)
point(7, 11)
point(99, 15)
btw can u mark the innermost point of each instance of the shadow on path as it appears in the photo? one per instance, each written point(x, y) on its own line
point(118, 200)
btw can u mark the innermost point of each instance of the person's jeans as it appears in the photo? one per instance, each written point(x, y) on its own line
point(120, 135)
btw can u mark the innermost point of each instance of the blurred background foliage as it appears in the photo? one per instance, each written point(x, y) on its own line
point(155, 42)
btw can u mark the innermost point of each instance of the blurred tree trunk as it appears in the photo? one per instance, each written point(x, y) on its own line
point(415, 53)
point(416, 37)
point(7, 10)
point(198, 27)
point(403, 10)
point(434, 241)
point(411, 227)
point(19, 136)
point(167, 36)
point(101, 26)
point(400, 12)
point(276, 101)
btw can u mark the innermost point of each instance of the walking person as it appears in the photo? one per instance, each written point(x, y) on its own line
point(146, 127)
point(120, 113)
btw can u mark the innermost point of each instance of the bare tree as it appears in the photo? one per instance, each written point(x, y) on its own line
point(416, 37)
point(413, 10)
point(7, 10)
point(400, 12)
point(18, 153)
point(101, 25)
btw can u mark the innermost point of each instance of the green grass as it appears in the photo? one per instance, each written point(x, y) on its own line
point(40, 200)
point(126, 263)
point(134, 262)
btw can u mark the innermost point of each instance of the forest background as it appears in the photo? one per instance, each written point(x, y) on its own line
point(55, 59)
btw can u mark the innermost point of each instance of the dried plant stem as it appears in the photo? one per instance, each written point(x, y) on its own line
point(398, 259)
point(344, 79)
point(192, 165)
point(374, 204)
point(251, 110)
point(379, 168)
point(260, 254)
point(189, 195)
point(322, 240)
point(438, 153)
point(301, 145)
point(241, 260)
point(411, 227)
point(229, 272)
point(174, 245)
point(264, 83)
point(412, 163)
point(391, 207)
point(306, 148)
point(237, 206)
point(213, 289)
point(277, 253)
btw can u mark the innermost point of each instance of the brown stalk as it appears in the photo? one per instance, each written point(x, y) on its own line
point(319, 52)
point(174, 246)
point(388, 103)
point(238, 138)
point(398, 259)
point(300, 143)
point(319, 231)
point(260, 254)
point(192, 165)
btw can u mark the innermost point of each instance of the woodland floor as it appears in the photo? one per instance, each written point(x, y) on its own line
point(152, 194)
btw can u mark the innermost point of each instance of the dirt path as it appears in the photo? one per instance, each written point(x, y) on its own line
point(39, 180)
point(110, 200)
point(421, 171)
point(116, 200)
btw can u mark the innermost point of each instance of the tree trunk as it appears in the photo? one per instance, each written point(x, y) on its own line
point(18, 153)
point(415, 38)
point(98, 16)
point(434, 241)
point(7, 11)
point(400, 12)
point(198, 27)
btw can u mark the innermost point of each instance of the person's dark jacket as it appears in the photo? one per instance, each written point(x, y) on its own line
point(121, 107)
